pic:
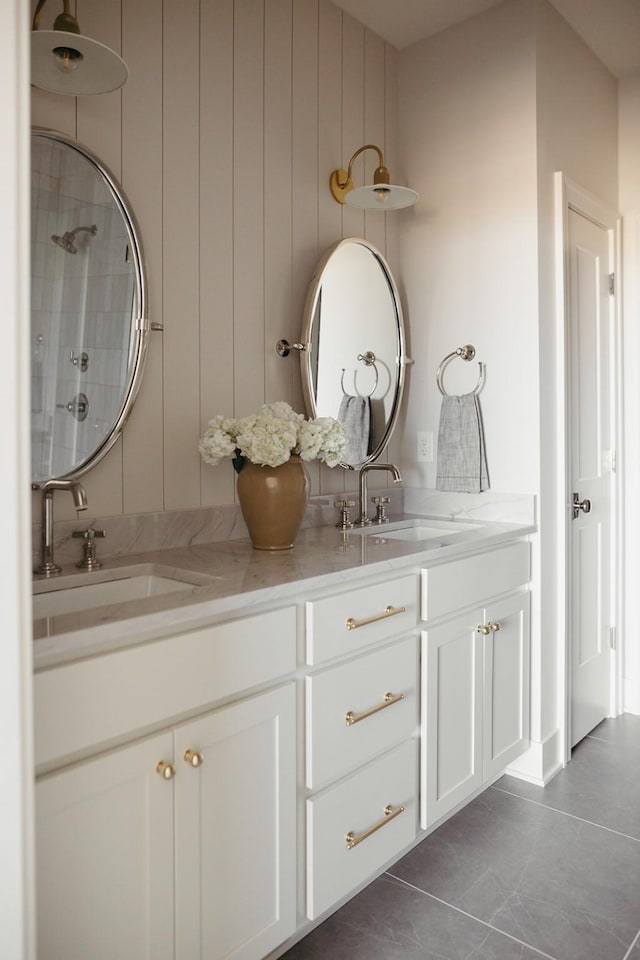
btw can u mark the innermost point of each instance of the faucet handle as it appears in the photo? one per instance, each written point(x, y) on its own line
point(380, 503)
point(89, 560)
point(345, 523)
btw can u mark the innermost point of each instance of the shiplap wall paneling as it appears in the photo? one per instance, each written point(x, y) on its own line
point(181, 253)
point(248, 207)
point(374, 131)
point(330, 152)
point(216, 235)
point(99, 125)
point(353, 115)
point(394, 219)
point(280, 320)
point(329, 158)
point(304, 175)
point(100, 117)
point(143, 437)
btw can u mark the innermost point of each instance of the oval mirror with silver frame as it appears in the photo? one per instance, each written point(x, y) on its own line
point(89, 329)
point(353, 357)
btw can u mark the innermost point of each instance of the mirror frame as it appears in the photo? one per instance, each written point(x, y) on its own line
point(306, 354)
point(139, 324)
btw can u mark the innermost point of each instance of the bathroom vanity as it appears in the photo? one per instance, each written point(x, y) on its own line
point(220, 767)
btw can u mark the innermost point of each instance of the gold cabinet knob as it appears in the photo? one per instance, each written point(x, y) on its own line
point(483, 629)
point(166, 770)
point(494, 627)
point(193, 758)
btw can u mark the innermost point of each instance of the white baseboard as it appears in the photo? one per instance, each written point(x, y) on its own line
point(540, 763)
point(631, 695)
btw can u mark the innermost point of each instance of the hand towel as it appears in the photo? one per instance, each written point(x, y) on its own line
point(355, 415)
point(462, 463)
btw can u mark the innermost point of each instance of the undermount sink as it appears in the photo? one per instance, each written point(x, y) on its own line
point(418, 530)
point(73, 593)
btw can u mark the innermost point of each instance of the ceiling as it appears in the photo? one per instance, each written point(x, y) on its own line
point(610, 27)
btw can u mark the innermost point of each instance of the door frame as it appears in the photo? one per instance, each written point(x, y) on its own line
point(570, 196)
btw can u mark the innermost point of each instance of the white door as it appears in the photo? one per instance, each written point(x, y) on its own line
point(589, 352)
point(451, 767)
point(506, 683)
point(236, 829)
point(104, 857)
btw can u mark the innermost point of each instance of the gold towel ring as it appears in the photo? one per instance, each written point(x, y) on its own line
point(467, 353)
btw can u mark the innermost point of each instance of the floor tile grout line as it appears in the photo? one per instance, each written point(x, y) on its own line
point(612, 743)
point(565, 813)
point(464, 913)
point(632, 945)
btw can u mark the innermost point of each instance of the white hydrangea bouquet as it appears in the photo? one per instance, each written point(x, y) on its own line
point(271, 437)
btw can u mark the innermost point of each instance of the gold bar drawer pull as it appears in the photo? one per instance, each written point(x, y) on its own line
point(389, 698)
point(389, 611)
point(353, 839)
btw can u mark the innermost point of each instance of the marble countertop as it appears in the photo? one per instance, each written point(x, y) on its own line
point(234, 578)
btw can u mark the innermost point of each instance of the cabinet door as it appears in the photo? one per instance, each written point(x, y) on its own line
point(451, 762)
point(104, 857)
point(236, 829)
point(506, 683)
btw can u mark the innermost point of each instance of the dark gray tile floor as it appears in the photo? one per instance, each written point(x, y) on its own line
point(520, 873)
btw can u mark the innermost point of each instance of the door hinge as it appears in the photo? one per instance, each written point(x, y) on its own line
point(613, 643)
point(612, 283)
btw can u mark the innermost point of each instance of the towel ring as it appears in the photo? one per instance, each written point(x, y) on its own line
point(369, 360)
point(467, 353)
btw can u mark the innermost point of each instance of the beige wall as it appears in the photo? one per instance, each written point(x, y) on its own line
point(577, 123)
point(468, 142)
point(234, 115)
point(629, 119)
point(488, 111)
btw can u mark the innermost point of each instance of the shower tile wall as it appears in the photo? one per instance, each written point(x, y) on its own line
point(71, 316)
point(224, 136)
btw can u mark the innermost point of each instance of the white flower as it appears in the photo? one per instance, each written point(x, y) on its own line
point(334, 440)
point(218, 441)
point(272, 436)
point(281, 411)
point(267, 440)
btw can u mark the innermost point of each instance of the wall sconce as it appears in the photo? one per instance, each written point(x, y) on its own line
point(63, 61)
point(380, 195)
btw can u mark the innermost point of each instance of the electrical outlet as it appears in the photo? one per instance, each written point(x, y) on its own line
point(425, 447)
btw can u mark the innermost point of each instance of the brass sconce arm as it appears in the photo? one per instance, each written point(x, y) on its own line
point(381, 195)
point(64, 21)
point(341, 182)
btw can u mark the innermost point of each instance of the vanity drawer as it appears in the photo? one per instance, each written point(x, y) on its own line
point(453, 586)
point(348, 720)
point(355, 806)
point(104, 699)
point(347, 622)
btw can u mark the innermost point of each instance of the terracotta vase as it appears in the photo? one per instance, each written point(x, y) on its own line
point(273, 501)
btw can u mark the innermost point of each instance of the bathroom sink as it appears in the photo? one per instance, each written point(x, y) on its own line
point(73, 593)
point(418, 530)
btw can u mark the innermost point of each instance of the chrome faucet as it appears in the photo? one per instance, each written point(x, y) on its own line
point(363, 520)
point(47, 565)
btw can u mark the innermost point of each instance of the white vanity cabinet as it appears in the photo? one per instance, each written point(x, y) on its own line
point(182, 843)
point(360, 736)
point(475, 674)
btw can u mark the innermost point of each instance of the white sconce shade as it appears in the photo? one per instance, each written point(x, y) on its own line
point(64, 61)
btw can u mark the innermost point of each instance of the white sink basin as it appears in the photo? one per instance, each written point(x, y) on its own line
point(418, 530)
point(71, 593)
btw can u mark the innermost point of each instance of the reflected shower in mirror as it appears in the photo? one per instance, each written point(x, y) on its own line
point(354, 356)
point(87, 298)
